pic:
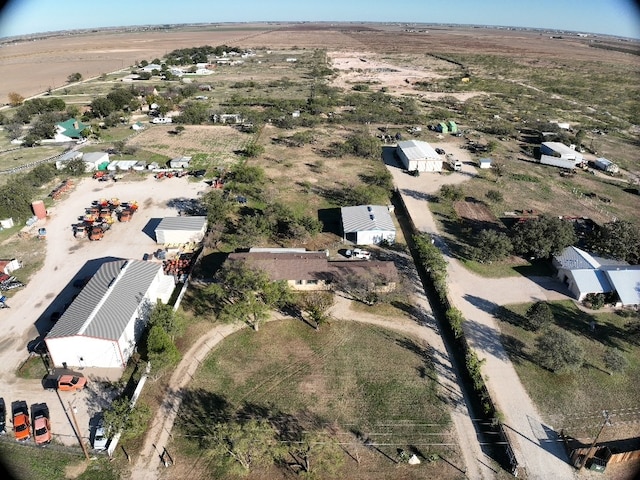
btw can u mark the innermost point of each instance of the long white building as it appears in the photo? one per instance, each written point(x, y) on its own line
point(106, 320)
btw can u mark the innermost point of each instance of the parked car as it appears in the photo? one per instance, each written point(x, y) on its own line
point(71, 382)
point(3, 417)
point(21, 423)
point(41, 425)
point(64, 380)
point(439, 151)
point(100, 438)
point(361, 254)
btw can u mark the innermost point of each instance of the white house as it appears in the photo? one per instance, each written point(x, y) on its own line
point(180, 230)
point(419, 155)
point(103, 324)
point(584, 273)
point(180, 162)
point(367, 224)
point(151, 67)
point(94, 160)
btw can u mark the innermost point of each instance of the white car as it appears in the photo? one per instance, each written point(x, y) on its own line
point(100, 439)
point(362, 254)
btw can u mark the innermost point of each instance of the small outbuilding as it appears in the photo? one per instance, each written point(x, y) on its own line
point(418, 155)
point(104, 323)
point(367, 224)
point(94, 160)
point(180, 162)
point(484, 163)
point(181, 230)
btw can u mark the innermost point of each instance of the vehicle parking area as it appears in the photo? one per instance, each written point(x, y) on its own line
point(69, 262)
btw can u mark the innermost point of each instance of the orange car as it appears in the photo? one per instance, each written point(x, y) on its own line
point(21, 424)
point(42, 430)
point(69, 382)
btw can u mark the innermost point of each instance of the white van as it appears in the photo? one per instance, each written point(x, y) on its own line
point(161, 120)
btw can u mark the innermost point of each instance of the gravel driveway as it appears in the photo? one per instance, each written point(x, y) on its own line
point(50, 288)
point(537, 447)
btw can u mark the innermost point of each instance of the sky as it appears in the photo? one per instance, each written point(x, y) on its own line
point(612, 17)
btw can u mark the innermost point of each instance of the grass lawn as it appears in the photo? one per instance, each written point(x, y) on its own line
point(320, 381)
point(564, 397)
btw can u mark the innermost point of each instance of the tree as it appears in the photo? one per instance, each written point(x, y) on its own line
point(539, 315)
point(316, 304)
point(559, 350)
point(162, 353)
point(253, 149)
point(75, 167)
point(15, 99)
point(543, 236)
point(163, 316)
point(247, 444)
point(14, 130)
point(491, 246)
point(495, 196)
point(74, 77)
point(620, 240)
point(101, 107)
point(317, 456)
point(615, 360)
point(243, 294)
point(451, 192)
point(121, 417)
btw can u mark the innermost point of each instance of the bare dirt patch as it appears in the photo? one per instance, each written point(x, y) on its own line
point(475, 212)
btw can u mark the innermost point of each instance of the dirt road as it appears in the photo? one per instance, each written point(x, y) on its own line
point(537, 447)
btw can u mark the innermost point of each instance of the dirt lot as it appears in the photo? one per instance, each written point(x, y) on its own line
point(92, 54)
point(69, 258)
point(475, 212)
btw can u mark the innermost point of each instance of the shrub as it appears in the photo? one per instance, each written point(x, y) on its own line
point(559, 351)
point(615, 360)
point(539, 315)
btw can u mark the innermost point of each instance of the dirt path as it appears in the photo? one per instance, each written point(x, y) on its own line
point(537, 447)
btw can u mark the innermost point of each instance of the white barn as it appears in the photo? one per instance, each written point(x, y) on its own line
point(560, 150)
point(180, 162)
point(103, 324)
point(418, 155)
point(367, 224)
point(180, 230)
point(93, 160)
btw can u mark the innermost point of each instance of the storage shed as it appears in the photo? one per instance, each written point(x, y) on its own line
point(180, 162)
point(367, 224)
point(104, 323)
point(94, 160)
point(180, 230)
point(485, 163)
point(418, 155)
point(560, 150)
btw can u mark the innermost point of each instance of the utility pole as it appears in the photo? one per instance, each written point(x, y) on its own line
point(75, 422)
point(606, 422)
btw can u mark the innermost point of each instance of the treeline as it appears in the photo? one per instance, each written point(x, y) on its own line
point(183, 56)
point(16, 196)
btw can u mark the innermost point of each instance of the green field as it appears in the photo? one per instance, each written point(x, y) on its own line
point(346, 381)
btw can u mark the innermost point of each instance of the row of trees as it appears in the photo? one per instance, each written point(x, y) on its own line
point(16, 196)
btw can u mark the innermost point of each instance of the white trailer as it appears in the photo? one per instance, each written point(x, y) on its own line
point(559, 162)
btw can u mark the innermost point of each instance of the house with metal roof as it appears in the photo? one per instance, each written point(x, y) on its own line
point(418, 155)
point(106, 320)
point(69, 130)
point(584, 273)
point(367, 224)
point(181, 230)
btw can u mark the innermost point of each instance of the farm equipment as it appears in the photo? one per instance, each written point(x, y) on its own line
point(99, 175)
point(3, 302)
point(96, 233)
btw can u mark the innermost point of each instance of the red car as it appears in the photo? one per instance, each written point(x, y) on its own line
point(21, 424)
point(42, 430)
point(70, 382)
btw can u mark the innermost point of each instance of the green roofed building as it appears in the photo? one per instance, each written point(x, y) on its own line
point(453, 128)
point(69, 130)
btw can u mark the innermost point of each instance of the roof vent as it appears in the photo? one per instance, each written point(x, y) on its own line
point(369, 208)
point(372, 216)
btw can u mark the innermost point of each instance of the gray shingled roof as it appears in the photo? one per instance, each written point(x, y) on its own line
point(182, 223)
point(366, 217)
point(106, 304)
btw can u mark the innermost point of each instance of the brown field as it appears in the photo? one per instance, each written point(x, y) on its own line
point(475, 212)
point(31, 67)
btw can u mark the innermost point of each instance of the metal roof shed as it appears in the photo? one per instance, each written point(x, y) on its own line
point(367, 224)
point(103, 324)
point(180, 230)
point(418, 155)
